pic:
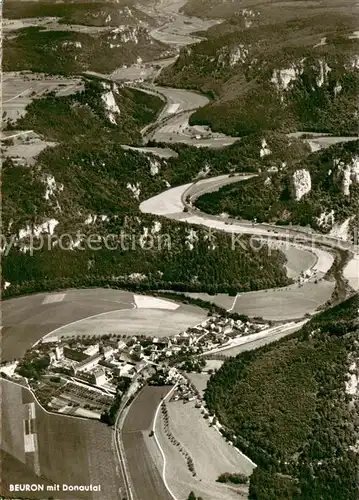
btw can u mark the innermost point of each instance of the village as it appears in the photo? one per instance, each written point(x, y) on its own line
point(82, 376)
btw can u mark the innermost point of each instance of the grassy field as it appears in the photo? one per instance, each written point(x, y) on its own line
point(199, 380)
point(210, 453)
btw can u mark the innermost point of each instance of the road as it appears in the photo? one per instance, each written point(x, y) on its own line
point(27, 319)
point(250, 342)
point(291, 302)
point(159, 445)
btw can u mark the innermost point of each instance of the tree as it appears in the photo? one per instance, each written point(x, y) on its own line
point(191, 496)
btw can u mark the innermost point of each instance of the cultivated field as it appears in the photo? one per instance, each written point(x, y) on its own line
point(210, 453)
point(62, 449)
point(137, 321)
point(15, 472)
point(277, 304)
point(12, 426)
point(19, 89)
point(144, 474)
point(75, 399)
point(143, 408)
point(24, 146)
point(77, 451)
point(26, 320)
point(50, 24)
point(145, 477)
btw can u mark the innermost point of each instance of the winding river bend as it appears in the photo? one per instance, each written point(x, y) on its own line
point(306, 251)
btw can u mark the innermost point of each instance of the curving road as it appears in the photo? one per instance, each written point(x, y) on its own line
point(288, 303)
point(291, 302)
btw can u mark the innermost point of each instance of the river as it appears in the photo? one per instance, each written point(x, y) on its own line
point(312, 254)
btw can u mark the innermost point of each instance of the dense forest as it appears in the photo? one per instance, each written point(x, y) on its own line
point(151, 250)
point(288, 407)
point(271, 197)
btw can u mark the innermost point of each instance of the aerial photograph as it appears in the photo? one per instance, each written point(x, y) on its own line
point(179, 210)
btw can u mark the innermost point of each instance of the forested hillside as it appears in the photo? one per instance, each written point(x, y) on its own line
point(249, 12)
point(71, 52)
point(266, 70)
point(292, 407)
point(89, 13)
point(89, 185)
point(152, 252)
point(102, 112)
point(321, 191)
point(89, 173)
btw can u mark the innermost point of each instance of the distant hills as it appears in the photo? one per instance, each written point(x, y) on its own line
point(72, 37)
point(86, 13)
point(272, 72)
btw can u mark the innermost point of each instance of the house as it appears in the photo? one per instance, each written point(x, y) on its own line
point(127, 370)
point(88, 363)
point(108, 351)
point(74, 354)
point(118, 344)
point(52, 357)
point(59, 353)
point(92, 349)
point(99, 376)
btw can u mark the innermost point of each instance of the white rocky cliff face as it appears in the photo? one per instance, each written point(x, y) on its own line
point(302, 183)
point(348, 173)
point(112, 110)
